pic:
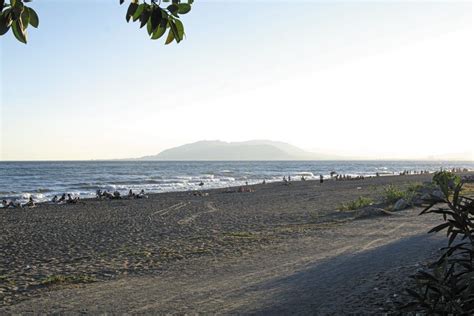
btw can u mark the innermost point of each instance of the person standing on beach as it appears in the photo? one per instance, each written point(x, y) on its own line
point(321, 179)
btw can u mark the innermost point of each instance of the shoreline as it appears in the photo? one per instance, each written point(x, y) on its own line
point(236, 185)
point(43, 181)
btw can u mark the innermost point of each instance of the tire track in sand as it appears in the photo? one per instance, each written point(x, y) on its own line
point(173, 207)
point(210, 209)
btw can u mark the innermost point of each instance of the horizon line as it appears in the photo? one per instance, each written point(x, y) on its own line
point(236, 160)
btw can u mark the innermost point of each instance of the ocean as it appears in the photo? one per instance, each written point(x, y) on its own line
point(43, 180)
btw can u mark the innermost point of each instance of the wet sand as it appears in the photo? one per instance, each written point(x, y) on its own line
point(52, 251)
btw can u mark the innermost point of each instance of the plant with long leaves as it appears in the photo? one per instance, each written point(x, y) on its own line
point(448, 287)
point(158, 18)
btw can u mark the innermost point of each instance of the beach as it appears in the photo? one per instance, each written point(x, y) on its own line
point(182, 252)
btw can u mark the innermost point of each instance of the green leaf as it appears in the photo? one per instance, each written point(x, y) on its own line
point(439, 228)
point(144, 17)
point(7, 16)
point(173, 8)
point(174, 29)
point(149, 28)
point(156, 17)
point(25, 18)
point(160, 30)
point(451, 239)
point(180, 29)
point(414, 294)
point(18, 31)
point(164, 22)
point(34, 20)
point(17, 10)
point(184, 8)
point(138, 12)
point(170, 37)
point(4, 25)
point(132, 8)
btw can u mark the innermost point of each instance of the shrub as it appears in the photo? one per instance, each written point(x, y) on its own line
point(448, 287)
point(415, 187)
point(356, 204)
point(392, 194)
point(446, 179)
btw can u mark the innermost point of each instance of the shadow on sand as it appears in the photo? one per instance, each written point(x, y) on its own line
point(351, 283)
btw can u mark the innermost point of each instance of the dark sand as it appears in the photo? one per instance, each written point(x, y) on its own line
point(225, 252)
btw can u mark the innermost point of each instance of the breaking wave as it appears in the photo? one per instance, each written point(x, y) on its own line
point(42, 181)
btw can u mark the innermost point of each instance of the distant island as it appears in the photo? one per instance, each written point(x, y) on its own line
point(248, 150)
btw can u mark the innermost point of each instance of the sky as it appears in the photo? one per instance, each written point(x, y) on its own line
point(376, 80)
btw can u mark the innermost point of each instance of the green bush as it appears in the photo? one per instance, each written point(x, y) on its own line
point(356, 204)
point(415, 187)
point(446, 178)
point(448, 287)
point(447, 181)
point(392, 194)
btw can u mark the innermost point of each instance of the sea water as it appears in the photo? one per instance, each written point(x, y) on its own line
point(43, 180)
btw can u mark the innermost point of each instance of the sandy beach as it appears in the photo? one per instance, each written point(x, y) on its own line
point(178, 158)
point(278, 249)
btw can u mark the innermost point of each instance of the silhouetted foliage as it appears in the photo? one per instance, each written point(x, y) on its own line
point(448, 287)
point(157, 17)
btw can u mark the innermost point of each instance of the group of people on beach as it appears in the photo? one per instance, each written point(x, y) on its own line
point(408, 172)
point(342, 177)
point(10, 204)
point(117, 196)
point(15, 204)
point(453, 170)
point(67, 198)
point(287, 181)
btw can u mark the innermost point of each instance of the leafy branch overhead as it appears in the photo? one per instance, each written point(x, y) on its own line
point(17, 17)
point(157, 17)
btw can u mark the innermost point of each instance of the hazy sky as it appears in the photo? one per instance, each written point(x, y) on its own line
point(380, 79)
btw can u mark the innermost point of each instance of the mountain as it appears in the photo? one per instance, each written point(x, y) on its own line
point(249, 150)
